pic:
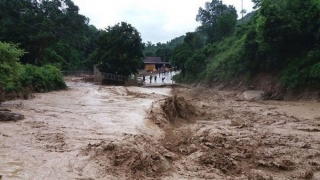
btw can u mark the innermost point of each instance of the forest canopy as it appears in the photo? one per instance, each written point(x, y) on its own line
point(280, 38)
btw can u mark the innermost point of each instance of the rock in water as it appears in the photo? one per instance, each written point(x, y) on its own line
point(254, 95)
point(9, 116)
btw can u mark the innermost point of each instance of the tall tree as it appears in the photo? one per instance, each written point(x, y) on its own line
point(119, 50)
point(193, 40)
point(180, 56)
point(256, 3)
point(286, 29)
point(38, 24)
point(185, 55)
point(217, 20)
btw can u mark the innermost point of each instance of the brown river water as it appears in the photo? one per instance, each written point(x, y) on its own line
point(105, 132)
point(57, 125)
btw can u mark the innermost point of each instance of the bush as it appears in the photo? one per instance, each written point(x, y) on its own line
point(42, 79)
point(226, 62)
point(303, 71)
point(9, 64)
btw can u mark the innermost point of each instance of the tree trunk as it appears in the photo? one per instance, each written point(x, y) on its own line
point(39, 55)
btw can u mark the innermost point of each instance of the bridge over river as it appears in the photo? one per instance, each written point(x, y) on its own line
point(161, 78)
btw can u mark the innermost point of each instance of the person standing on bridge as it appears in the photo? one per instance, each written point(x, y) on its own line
point(150, 78)
point(143, 78)
point(155, 79)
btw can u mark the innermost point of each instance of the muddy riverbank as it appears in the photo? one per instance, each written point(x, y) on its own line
point(116, 132)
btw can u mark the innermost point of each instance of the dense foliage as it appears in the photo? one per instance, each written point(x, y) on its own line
point(9, 64)
point(52, 32)
point(217, 20)
point(41, 79)
point(14, 76)
point(186, 56)
point(162, 50)
point(281, 37)
point(119, 50)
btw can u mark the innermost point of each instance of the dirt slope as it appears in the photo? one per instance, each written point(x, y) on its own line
point(212, 134)
point(236, 139)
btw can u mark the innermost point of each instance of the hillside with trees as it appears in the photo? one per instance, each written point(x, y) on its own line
point(51, 32)
point(281, 38)
point(40, 38)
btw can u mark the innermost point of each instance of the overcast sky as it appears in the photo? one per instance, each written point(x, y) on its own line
point(156, 20)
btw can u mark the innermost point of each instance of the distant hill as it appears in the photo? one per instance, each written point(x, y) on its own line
point(176, 41)
point(246, 18)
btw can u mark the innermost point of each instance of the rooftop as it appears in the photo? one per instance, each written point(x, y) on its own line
point(152, 60)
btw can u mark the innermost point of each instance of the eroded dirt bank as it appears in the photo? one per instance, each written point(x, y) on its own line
point(94, 132)
point(236, 139)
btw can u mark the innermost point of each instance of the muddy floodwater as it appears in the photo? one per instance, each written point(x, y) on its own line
point(113, 132)
point(59, 124)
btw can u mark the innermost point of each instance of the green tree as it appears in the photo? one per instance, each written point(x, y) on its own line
point(180, 56)
point(217, 20)
point(9, 64)
point(285, 30)
point(164, 52)
point(64, 56)
point(188, 55)
point(194, 41)
point(119, 50)
point(196, 63)
point(38, 24)
point(256, 3)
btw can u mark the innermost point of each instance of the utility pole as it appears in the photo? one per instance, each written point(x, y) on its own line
point(243, 11)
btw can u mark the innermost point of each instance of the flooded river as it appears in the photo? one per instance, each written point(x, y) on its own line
point(105, 132)
point(47, 144)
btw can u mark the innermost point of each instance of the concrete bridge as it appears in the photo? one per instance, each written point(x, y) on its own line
point(97, 76)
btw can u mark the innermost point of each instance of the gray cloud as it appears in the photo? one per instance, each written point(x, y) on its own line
point(156, 20)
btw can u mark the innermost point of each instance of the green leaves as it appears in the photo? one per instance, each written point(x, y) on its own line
point(180, 55)
point(42, 79)
point(14, 76)
point(189, 57)
point(37, 25)
point(217, 20)
point(256, 3)
point(119, 50)
point(288, 26)
point(9, 64)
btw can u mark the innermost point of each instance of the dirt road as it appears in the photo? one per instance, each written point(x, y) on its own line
point(95, 132)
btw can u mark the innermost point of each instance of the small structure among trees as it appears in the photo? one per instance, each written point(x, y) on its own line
point(151, 63)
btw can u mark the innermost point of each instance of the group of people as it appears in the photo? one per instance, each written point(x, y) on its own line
point(164, 75)
point(150, 77)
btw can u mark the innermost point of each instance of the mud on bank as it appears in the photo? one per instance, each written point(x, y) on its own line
point(211, 134)
point(100, 132)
